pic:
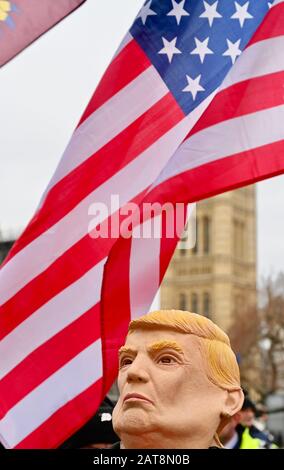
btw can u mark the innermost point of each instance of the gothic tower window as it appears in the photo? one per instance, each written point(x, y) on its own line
point(206, 304)
point(206, 235)
point(194, 303)
point(182, 302)
point(195, 248)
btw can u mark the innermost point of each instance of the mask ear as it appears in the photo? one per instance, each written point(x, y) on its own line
point(233, 403)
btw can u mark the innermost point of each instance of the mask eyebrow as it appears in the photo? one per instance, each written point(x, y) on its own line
point(126, 350)
point(165, 344)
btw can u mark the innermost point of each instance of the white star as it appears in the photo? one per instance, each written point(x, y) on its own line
point(270, 4)
point(210, 12)
point(169, 48)
point(233, 50)
point(193, 86)
point(202, 48)
point(242, 13)
point(145, 12)
point(178, 11)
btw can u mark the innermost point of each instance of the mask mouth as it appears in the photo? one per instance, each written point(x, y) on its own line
point(136, 397)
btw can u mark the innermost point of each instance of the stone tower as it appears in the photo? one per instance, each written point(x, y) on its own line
point(218, 276)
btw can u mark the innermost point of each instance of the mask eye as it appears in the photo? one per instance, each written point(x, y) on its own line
point(125, 361)
point(167, 360)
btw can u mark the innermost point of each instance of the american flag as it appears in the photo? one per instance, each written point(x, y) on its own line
point(152, 99)
point(23, 21)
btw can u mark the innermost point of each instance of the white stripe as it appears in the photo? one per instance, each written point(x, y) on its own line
point(127, 183)
point(51, 318)
point(110, 119)
point(67, 383)
point(259, 59)
point(219, 141)
point(276, 2)
point(144, 266)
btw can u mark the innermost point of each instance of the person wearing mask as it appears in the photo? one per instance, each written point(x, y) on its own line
point(179, 383)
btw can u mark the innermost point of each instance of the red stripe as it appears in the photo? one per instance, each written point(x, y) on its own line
point(115, 309)
point(114, 156)
point(66, 421)
point(125, 67)
point(243, 98)
point(239, 170)
point(59, 275)
point(222, 175)
point(271, 26)
point(48, 358)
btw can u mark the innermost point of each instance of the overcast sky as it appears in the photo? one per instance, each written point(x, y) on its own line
point(43, 93)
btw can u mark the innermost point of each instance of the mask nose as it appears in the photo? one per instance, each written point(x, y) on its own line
point(137, 371)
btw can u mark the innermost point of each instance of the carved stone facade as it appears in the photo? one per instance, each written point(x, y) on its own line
point(218, 276)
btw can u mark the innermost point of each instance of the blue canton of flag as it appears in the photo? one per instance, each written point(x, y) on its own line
point(194, 43)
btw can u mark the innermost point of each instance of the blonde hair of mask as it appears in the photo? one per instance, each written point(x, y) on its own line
point(219, 359)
